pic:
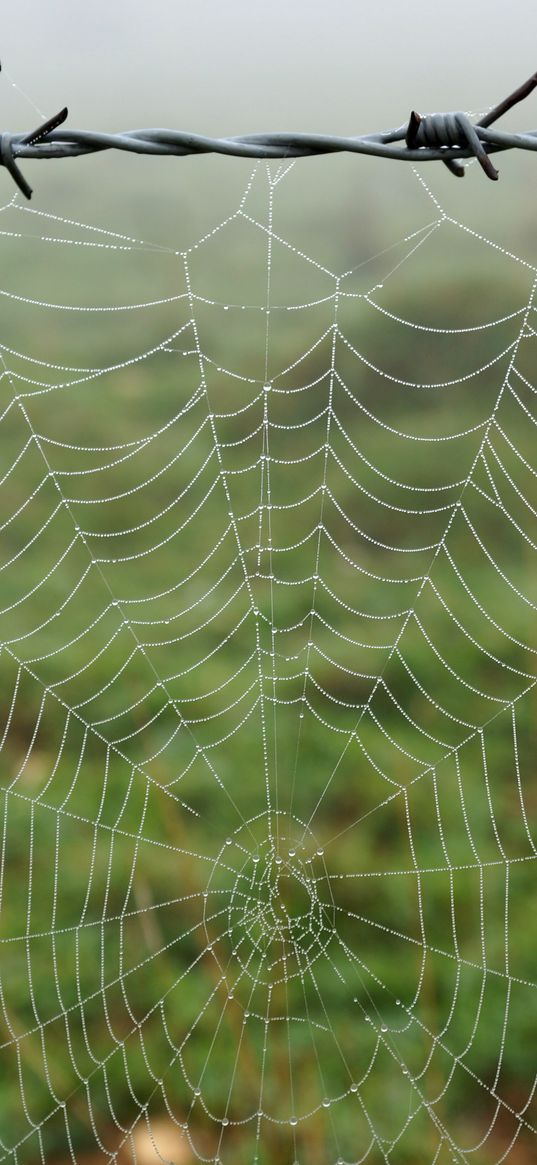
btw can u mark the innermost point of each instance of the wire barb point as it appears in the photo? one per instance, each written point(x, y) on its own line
point(40, 134)
point(443, 131)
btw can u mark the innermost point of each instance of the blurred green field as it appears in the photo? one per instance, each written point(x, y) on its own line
point(113, 816)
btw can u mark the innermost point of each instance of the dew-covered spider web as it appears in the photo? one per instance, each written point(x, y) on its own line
point(268, 690)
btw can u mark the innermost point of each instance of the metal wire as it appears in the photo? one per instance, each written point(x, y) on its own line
point(446, 137)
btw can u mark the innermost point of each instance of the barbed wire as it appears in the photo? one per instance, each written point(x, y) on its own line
point(449, 138)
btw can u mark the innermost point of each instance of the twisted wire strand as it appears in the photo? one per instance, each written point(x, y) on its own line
point(440, 137)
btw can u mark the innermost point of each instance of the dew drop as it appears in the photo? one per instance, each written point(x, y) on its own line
point(326, 1102)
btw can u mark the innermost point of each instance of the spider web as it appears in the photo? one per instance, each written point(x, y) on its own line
point(268, 670)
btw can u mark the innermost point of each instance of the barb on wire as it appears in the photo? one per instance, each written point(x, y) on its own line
point(450, 138)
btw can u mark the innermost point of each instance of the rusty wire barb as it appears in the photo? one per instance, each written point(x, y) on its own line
point(450, 138)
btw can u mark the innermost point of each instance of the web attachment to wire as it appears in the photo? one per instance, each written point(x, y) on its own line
point(268, 672)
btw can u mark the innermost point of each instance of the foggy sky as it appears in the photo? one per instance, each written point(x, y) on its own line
point(234, 66)
point(238, 66)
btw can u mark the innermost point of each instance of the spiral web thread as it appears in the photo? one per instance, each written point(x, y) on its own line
point(266, 837)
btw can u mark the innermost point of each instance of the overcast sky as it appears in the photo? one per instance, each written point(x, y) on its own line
point(238, 65)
